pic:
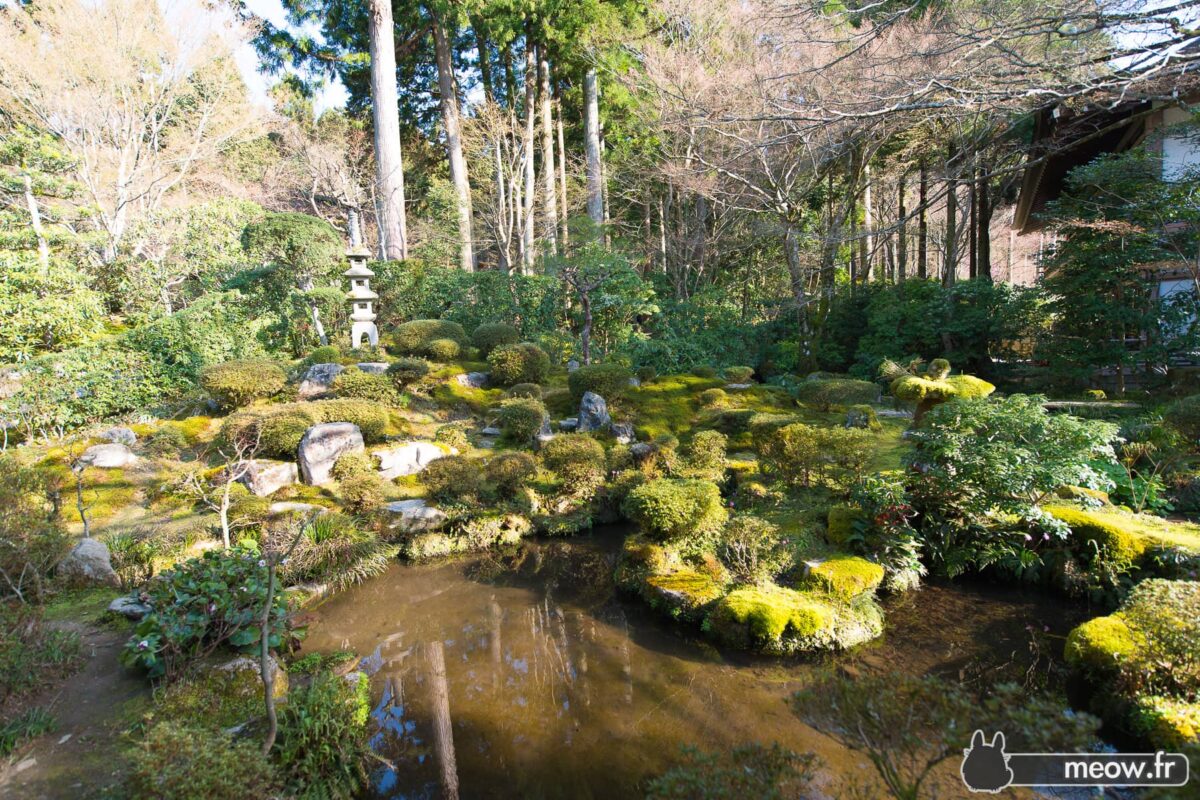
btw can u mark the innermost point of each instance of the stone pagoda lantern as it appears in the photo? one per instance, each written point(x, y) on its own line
point(362, 300)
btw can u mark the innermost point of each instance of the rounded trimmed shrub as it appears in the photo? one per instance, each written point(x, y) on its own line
point(238, 383)
point(523, 362)
point(710, 398)
point(739, 374)
point(371, 420)
point(646, 374)
point(443, 350)
point(406, 371)
point(325, 354)
point(413, 338)
point(530, 390)
point(355, 384)
point(708, 373)
point(510, 471)
point(1101, 645)
point(607, 380)
point(362, 492)
point(278, 430)
point(451, 478)
point(490, 335)
point(576, 458)
point(670, 510)
point(521, 419)
point(824, 394)
point(938, 369)
point(350, 464)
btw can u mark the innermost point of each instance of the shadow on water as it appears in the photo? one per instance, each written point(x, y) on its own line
point(525, 674)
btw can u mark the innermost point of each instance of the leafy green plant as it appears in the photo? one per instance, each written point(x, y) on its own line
point(577, 459)
point(189, 761)
point(415, 338)
point(132, 553)
point(353, 383)
point(752, 550)
point(323, 743)
point(824, 394)
point(530, 390)
point(508, 472)
point(808, 455)
point(739, 374)
point(451, 478)
point(34, 540)
point(404, 372)
point(523, 362)
point(28, 724)
point(521, 419)
point(334, 550)
point(234, 384)
point(672, 510)
point(490, 335)
point(610, 381)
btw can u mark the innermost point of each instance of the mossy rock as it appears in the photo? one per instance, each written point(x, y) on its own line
point(1082, 493)
point(774, 619)
point(1119, 543)
point(846, 577)
point(684, 594)
point(1099, 646)
point(641, 558)
point(841, 523)
point(1166, 723)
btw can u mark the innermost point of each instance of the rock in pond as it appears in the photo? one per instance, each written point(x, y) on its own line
point(108, 456)
point(373, 367)
point(593, 413)
point(120, 435)
point(130, 607)
point(322, 445)
point(89, 562)
point(473, 380)
point(407, 459)
point(318, 379)
point(415, 516)
point(262, 477)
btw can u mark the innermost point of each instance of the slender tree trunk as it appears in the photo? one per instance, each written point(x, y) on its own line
point(591, 142)
point(389, 160)
point(264, 660)
point(585, 333)
point(973, 223)
point(950, 265)
point(985, 225)
point(527, 144)
point(510, 78)
point(35, 222)
point(485, 61)
point(902, 232)
point(563, 211)
point(550, 184)
point(448, 88)
point(922, 222)
point(867, 245)
point(443, 731)
point(854, 248)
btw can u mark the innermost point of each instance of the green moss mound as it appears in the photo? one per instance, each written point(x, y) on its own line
point(1099, 646)
point(610, 381)
point(1167, 723)
point(846, 577)
point(238, 383)
point(684, 593)
point(523, 362)
point(1090, 532)
point(1081, 493)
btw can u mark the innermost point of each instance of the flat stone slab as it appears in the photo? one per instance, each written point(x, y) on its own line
point(491, 430)
point(318, 379)
point(415, 516)
point(473, 380)
point(293, 507)
point(893, 413)
point(321, 447)
point(109, 456)
point(569, 424)
point(120, 435)
point(407, 459)
point(129, 607)
point(263, 477)
point(738, 385)
point(373, 367)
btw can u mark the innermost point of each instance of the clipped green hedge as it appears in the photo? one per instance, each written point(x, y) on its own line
point(523, 362)
point(670, 510)
point(414, 338)
point(607, 380)
point(490, 335)
point(234, 384)
point(824, 394)
point(521, 419)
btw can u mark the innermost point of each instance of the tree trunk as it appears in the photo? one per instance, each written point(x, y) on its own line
point(550, 184)
point(223, 512)
point(867, 244)
point(447, 87)
point(264, 660)
point(443, 731)
point(527, 146)
point(585, 334)
point(485, 62)
point(563, 212)
point(985, 226)
point(950, 267)
point(922, 222)
point(591, 141)
point(902, 232)
point(389, 160)
point(973, 223)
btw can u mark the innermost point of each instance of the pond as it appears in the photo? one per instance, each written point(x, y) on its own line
point(527, 675)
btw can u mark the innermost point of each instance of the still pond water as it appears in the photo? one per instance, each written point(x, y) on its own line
point(527, 675)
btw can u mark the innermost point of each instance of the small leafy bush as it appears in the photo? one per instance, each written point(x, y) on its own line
point(451, 478)
point(200, 605)
point(334, 550)
point(352, 383)
point(705, 456)
point(371, 420)
point(132, 554)
point(530, 390)
point(739, 374)
point(671, 510)
point(325, 354)
point(1184, 415)
point(444, 350)
point(523, 362)
point(490, 335)
point(324, 740)
point(34, 540)
point(167, 440)
point(238, 383)
point(188, 761)
point(415, 337)
point(705, 372)
point(646, 374)
point(806, 455)
point(711, 398)
point(350, 464)
point(576, 458)
point(363, 492)
point(610, 381)
point(752, 550)
point(521, 419)
point(510, 471)
point(404, 372)
point(824, 394)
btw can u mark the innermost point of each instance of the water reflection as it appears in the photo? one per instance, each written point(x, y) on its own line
point(524, 675)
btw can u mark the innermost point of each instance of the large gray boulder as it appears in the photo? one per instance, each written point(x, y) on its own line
point(593, 413)
point(373, 367)
point(120, 435)
point(321, 447)
point(130, 607)
point(318, 379)
point(415, 516)
point(263, 477)
point(109, 456)
point(89, 562)
point(473, 380)
point(407, 459)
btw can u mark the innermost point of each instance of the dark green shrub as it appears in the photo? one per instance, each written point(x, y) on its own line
point(672, 510)
point(708, 373)
point(576, 458)
point(369, 417)
point(187, 761)
point(238, 383)
point(531, 390)
point(335, 551)
point(752, 550)
point(200, 605)
point(837, 392)
point(132, 554)
point(705, 456)
point(451, 478)
point(281, 433)
point(646, 374)
point(711, 398)
point(326, 354)
point(406, 371)
point(167, 440)
point(764, 773)
point(1184, 415)
point(524, 362)
point(610, 381)
point(739, 374)
point(521, 419)
point(490, 335)
point(444, 350)
point(362, 492)
point(34, 538)
point(510, 471)
point(414, 338)
point(354, 384)
point(323, 738)
point(803, 454)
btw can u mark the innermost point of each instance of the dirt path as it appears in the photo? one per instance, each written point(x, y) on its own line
point(82, 754)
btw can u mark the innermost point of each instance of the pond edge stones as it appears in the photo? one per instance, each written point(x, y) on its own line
point(322, 445)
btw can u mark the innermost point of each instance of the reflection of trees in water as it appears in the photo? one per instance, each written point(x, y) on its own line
point(584, 574)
